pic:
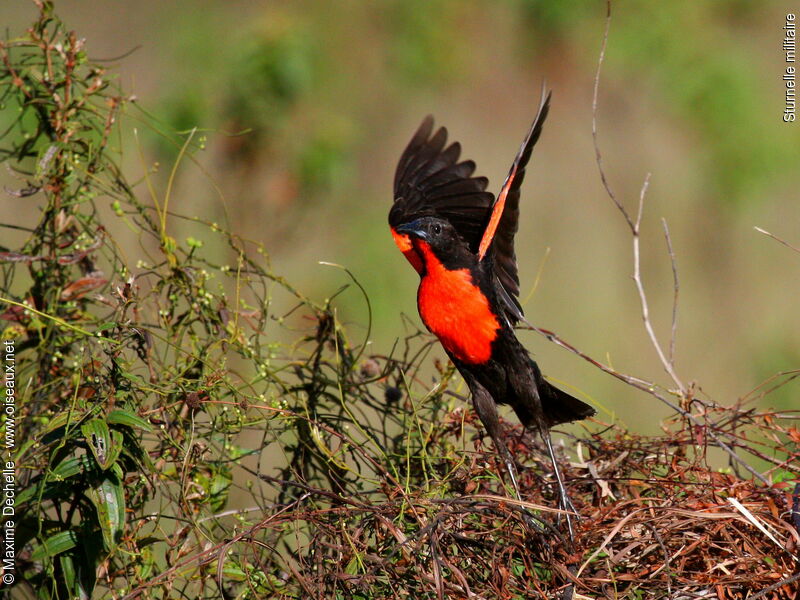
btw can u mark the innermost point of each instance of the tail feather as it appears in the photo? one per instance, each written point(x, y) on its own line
point(559, 407)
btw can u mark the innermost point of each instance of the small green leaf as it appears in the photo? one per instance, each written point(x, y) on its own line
point(233, 572)
point(67, 468)
point(782, 475)
point(54, 545)
point(355, 565)
point(220, 485)
point(127, 418)
point(68, 571)
point(216, 486)
point(133, 378)
point(237, 452)
point(104, 444)
point(109, 500)
point(147, 559)
point(63, 419)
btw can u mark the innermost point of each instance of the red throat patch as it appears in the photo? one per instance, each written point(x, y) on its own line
point(407, 248)
point(455, 309)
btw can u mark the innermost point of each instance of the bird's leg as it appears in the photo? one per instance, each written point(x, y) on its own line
point(564, 500)
point(487, 412)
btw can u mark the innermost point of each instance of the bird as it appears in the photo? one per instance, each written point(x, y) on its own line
point(460, 239)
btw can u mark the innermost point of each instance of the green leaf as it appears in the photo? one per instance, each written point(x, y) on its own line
point(133, 450)
point(147, 560)
point(69, 467)
point(54, 545)
point(355, 565)
point(63, 419)
point(85, 559)
point(782, 475)
point(134, 378)
point(104, 443)
point(127, 418)
point(109, 500)
point(68, 573)
point(236, 452)
point(220, 485)
point(216, 485)
point(233, 572)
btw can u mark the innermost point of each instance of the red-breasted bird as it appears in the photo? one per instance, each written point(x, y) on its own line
point(460, 239)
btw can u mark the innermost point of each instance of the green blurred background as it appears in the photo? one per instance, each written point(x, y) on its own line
point(305, 107)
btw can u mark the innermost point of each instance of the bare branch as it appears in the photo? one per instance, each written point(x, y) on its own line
point(668, 363)
point(676, 289)
point(637, 278)
point(651, 389)
point(777, 239)
point(597, 154)
point(640, 210)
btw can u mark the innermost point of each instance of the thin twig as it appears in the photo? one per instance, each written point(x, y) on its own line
point(777, 239)
point(598, 156)
point(651, 389)
point(667, 564)
point(637, 278)
point(676, 289)
point(774, 586)
point(635, 226)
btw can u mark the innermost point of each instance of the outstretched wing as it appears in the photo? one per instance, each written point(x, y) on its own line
point(430, 181)
point(504, 220)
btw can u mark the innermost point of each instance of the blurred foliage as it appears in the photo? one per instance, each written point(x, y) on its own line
point(275, 72)
point(715, 84)
point(422, 52)
point(251, 89)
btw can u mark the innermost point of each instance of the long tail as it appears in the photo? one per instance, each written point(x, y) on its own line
point(542, 405)
point(559, 407)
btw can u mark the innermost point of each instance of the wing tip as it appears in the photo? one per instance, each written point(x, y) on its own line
point(426, 125)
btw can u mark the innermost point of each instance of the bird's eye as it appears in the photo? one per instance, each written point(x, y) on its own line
point(437, 229)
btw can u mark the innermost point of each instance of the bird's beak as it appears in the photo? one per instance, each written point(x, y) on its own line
point(413, 229)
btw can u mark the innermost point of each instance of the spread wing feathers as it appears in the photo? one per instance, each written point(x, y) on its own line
point(503, 223)
point(430, 181)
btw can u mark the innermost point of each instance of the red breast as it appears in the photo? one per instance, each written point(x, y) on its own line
point(454, 308)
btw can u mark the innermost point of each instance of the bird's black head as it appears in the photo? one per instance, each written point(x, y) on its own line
point(440, 237)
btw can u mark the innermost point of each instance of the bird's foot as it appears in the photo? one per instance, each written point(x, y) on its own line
point(564, 502)
point(534, 522)
point(570, 513)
